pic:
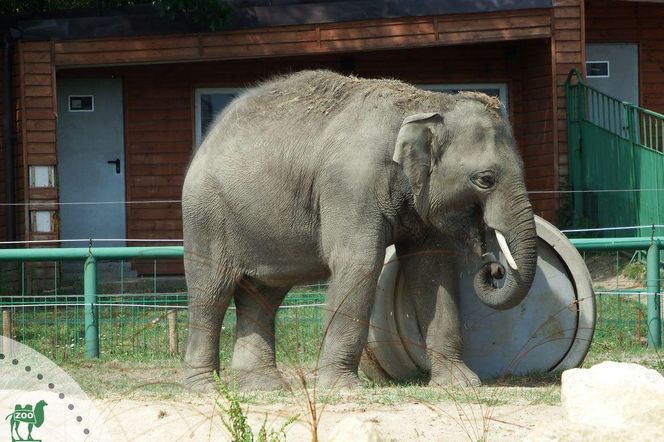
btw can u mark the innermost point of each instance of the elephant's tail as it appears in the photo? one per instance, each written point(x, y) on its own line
point(9, 415)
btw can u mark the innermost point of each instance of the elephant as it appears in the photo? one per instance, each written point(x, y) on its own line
point(310, 176)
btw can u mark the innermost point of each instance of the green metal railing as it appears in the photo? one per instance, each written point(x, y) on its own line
point(90, 256)
point(616, 160)
point(59, 320)
point(307, 297)
point(653, 297)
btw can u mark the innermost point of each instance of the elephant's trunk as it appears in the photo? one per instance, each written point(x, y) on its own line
point(521, 241)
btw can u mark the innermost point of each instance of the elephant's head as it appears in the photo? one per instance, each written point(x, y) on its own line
point(467, 180)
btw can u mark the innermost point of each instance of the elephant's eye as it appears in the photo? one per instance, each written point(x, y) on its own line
point(484, 180)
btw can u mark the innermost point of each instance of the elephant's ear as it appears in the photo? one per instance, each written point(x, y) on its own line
point(414, 147)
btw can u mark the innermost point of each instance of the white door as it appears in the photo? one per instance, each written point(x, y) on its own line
point(91, 159)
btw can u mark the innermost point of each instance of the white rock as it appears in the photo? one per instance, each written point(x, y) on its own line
point(356, 430)
point(614, 395)
point(610, 401)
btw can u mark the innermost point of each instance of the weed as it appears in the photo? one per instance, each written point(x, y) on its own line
point(236, 422)
point(635, 270)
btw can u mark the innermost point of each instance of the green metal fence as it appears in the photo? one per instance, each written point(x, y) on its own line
point(616, 160)
point(145, 318)
point(652, 320)
point(74, 314)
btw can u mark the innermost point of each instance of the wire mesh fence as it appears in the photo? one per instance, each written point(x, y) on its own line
point(145, 317)
point(620, 285)
point(139, 317)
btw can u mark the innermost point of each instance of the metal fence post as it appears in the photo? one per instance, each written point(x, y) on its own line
point(654, 306)
point(91, 311)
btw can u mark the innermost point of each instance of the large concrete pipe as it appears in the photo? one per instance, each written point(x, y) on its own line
point(550, 330)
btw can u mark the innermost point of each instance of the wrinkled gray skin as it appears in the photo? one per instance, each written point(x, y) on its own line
point(312, 176)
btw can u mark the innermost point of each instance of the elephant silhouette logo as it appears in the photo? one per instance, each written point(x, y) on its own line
point(32, 416)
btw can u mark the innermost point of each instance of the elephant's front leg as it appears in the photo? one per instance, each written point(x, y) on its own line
point(349, 304)
point(432, 282)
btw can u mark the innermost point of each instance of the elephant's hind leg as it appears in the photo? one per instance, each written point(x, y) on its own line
point(210, 291)
point(254, 359)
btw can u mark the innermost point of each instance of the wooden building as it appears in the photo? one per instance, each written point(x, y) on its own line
point(109, 115)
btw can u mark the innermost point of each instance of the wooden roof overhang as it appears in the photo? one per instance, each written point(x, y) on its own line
point(356, 36)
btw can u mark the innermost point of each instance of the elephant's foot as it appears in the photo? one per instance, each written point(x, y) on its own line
point(200, 380)
point(453, 374)
point(338, 380)
point(263, 379)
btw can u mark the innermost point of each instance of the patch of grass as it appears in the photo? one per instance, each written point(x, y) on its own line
point(621, 323)
point(127, 378)
point(635, 270)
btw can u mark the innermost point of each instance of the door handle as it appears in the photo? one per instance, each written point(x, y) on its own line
point(117, 164)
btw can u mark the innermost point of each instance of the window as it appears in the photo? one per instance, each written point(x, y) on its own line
point(209, 103)
point(597, 69)
point(498, 90)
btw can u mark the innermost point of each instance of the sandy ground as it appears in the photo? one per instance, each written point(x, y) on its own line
point(199, 420)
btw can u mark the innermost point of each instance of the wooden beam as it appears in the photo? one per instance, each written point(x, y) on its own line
point(386, 34)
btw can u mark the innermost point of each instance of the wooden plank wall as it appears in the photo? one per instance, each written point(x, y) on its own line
point(18, 159)
point(37, 128)
point(158, 145)
point(631, 22)
point(3, 197)
point(19, 175)
point(568, 52)
point(534, 125)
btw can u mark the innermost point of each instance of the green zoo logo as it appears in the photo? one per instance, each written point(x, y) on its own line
point(29, 415)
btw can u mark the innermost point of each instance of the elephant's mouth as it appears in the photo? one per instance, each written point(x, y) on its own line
point(487, 244)
point(490, 245)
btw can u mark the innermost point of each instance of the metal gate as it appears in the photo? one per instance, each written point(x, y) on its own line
point(616, 161)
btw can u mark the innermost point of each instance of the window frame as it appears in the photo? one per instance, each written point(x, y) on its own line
point(608, 69)
point(198, 136)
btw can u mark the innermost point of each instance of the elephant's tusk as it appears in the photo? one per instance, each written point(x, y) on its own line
point(506, 250)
